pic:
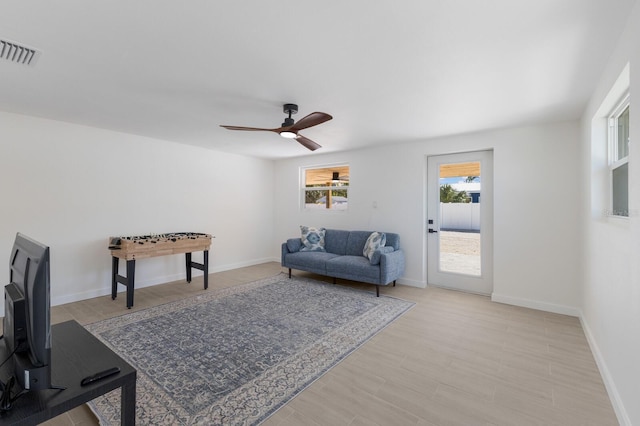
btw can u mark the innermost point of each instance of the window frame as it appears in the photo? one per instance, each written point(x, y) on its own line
point(615, 161)
point(304, 188)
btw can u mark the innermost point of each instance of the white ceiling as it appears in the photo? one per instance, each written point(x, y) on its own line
point(388, 71)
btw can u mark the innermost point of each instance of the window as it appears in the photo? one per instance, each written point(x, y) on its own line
point(326, 188)
point(619, 158)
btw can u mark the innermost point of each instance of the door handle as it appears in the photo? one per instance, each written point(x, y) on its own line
point(432, 231)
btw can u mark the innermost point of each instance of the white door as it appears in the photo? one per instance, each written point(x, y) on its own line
point(460, 221)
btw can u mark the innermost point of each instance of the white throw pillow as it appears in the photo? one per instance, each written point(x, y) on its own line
point(374, 242)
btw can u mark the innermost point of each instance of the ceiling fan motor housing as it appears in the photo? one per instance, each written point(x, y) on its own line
point(288, 122)
point(290, 109)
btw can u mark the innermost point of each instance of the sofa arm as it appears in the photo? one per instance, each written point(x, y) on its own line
point(391, 266)
point(291, 246)
point(285, 251)
point(294, 245)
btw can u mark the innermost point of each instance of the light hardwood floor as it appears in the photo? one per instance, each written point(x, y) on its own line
point(454, 359)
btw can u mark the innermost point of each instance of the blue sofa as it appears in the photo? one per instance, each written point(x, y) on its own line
point(343, 258)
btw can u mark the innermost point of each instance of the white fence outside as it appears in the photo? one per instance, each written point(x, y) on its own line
point(460, 216)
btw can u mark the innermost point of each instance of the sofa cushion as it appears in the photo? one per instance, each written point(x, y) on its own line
point(353, 266)
point(312, 238)
point(355, 244)
point(373, 243)
point(375, 257)
point(393, 240)
point(335, 241)
point(309, 260)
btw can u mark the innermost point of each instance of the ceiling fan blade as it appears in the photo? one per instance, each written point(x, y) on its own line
point(248, 128)
point(311, 120)
point(308, 143)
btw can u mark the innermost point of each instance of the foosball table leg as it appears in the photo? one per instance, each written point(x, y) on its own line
point(131, 273)
point(114, 277)
point(206, 269)
point(187, 257)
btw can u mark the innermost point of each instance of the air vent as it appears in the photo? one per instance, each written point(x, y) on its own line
point(18, 53)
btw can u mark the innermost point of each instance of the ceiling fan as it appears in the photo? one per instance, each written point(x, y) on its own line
point(290, 128)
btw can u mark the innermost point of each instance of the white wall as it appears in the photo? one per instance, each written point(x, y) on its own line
point(71, 187)
point(535, 205)
point(611, 293)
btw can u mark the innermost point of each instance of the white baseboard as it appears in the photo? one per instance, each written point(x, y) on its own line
point(104, 291)
point(412, 283)
point(74, 297)
point(536, 304)
point(612, 390)
point(227, 267)
point(142, 283)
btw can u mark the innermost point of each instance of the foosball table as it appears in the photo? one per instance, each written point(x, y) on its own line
point(133, 248)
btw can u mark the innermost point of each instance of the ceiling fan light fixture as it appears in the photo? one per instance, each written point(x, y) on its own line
point(288, 135)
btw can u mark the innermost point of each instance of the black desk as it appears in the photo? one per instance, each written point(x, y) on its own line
point(75, 354)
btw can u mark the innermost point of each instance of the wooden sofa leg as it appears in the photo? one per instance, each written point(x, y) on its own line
point(394, 283)
point(377, 291)
point(334, 280)
point(289, 272)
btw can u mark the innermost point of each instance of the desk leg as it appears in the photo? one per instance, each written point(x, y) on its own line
point(187, 257)
point(131, 273)
point(128, 404)
point(114, 277)
point(206, 269)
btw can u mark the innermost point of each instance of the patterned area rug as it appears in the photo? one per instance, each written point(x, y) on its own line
point(236, 355)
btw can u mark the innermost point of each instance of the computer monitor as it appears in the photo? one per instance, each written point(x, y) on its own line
point(27, 320)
